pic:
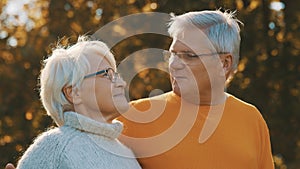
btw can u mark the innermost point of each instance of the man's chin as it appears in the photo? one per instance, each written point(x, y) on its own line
point(176, 90)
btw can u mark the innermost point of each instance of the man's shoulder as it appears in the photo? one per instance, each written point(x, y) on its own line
point(235, 101)
point(244, 108)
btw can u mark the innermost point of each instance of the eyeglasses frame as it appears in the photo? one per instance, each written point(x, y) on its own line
point(113, 79)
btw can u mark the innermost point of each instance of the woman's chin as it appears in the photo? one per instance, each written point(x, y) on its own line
point(122, 108)
point(121, 104)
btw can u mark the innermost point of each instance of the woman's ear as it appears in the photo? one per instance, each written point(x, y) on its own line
point(72, 95)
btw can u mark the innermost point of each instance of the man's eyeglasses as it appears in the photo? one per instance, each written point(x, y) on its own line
point(107, 73)
point(188, 57)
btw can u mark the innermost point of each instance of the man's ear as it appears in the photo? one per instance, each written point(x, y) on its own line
point(72, 95)
point(227, 61)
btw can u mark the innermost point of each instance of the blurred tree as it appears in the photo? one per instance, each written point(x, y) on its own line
point(22, 34)
point(268, 73)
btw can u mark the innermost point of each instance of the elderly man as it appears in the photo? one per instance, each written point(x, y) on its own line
point(198, 124)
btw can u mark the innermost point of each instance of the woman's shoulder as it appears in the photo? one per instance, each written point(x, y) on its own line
point(48, 147)
point(53, 139)
point(44, 150)
point(52, 134)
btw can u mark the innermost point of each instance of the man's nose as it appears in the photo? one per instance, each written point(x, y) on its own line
point(176, 63)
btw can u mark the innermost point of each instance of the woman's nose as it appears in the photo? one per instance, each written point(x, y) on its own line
point(120, 83)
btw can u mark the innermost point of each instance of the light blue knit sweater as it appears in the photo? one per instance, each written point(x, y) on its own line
point(81, 143)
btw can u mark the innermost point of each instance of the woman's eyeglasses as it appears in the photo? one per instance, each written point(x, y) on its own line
point(107, 73)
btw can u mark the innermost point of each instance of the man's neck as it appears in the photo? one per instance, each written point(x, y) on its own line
point(210, 99)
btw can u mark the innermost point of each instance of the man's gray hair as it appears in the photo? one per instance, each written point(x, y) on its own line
point(221, 28)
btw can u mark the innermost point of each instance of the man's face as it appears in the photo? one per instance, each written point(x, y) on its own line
point(196, 80)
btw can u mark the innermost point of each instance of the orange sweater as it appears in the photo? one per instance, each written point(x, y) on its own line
point(166, 135)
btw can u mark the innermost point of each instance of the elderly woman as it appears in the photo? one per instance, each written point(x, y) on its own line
point(82, 92)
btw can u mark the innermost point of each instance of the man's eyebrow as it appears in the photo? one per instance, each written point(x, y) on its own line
point(182, 51)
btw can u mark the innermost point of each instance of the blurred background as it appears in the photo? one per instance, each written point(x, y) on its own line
point(268, 74)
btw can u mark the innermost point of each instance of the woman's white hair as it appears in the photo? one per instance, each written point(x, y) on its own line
point(67, 67)
point(221, 28)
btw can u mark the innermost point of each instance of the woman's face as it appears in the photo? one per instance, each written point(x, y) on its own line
point(99, 93)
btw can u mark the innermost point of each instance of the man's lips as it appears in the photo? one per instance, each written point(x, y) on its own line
point(178, 77)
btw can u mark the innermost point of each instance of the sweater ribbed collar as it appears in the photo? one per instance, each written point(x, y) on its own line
point(83, 123)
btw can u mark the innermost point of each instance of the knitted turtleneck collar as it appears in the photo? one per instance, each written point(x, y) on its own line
point(83, 123)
